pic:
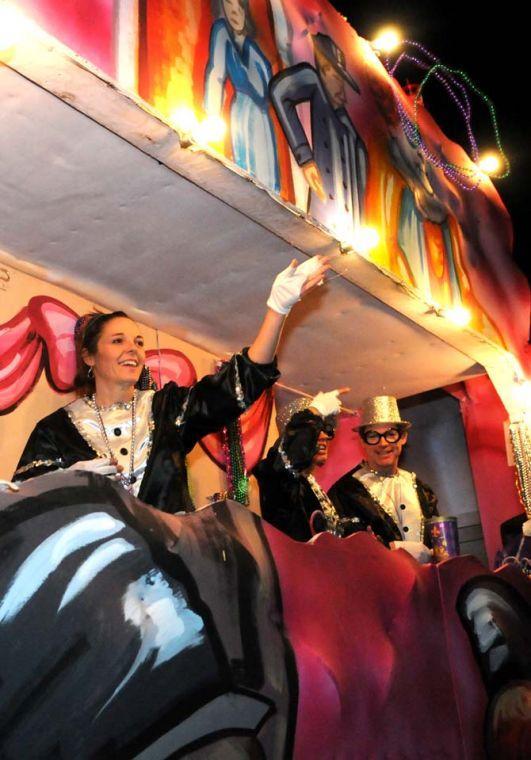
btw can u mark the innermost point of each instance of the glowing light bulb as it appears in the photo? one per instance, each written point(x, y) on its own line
point(459, 315)
point(12, 25)
point(387, 40)
point(341, 227)
point(360, 240)
point(522, 396)
point(210, 130)
point(365, 239)
point(490, 163)
point(184, 120)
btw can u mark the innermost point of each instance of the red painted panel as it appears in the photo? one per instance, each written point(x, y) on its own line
point(385, 667)
point(86, 26)
point(494, 479)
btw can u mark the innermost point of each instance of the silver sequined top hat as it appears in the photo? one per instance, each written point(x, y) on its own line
point(298, 405)
point(287, 412)
point(381, 410)
point(326, 46)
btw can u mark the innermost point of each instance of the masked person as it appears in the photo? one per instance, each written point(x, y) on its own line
point(118, 428)
point(390, 502)
point(291, 499)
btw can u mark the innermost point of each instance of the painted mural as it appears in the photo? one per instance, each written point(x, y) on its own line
point(309, 112)
point(198, 637)
point(300, 90)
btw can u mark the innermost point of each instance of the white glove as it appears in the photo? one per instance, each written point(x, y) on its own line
point(327, 403)
point(7, 485)
point(99, 465)
point(526, 528)
point(417, 549)
point(287, 286)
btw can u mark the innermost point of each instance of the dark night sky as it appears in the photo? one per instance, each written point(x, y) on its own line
point(490, 45)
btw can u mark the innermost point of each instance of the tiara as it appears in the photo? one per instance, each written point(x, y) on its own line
point(83, 322)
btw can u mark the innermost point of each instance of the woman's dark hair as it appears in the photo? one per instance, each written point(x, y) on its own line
point(86, 335)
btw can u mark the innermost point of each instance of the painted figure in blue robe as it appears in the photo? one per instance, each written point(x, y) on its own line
point(421, 199)
point(235, 56)
point(420, 203)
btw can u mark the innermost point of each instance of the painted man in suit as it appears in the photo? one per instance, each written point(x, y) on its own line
point(335, 164)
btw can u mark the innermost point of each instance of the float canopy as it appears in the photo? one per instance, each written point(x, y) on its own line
point(98, 195)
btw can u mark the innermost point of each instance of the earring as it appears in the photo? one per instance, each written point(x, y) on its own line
point(145, 381)
point(90, 373)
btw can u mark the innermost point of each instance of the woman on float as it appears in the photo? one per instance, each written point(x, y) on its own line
point(141, 436)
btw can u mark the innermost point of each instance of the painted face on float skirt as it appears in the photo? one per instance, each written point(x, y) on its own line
point(235, 14)
point(321, 454)
point(383, 454)
point(120, 354)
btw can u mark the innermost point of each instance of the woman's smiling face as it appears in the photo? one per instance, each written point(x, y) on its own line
point(120, 354)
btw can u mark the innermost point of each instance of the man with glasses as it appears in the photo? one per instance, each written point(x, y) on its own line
point(390, 502)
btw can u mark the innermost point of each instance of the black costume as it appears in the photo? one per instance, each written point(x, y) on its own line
point(351, 497)
point(289, 502)
point(180, 417)
point(290, 499)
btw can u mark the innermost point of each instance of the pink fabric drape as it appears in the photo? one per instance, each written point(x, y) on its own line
point(494, 479)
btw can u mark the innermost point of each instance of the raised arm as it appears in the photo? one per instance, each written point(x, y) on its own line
point(290, 286)
point(218, 399)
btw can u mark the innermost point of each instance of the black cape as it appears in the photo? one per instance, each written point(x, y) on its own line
point(288, 502)
point(286, 497)
point(352, 499)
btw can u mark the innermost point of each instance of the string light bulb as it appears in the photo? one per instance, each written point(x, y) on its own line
point(11, 26)
point(387, 40)
point(490, 163)
point(365, 239)
point(184, 120)
point(353, 239)
point(522, 400)
point(459, 315)
point(211, 130)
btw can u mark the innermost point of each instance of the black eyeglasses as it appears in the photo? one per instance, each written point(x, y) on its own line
point(372, 438)
point(329, 430)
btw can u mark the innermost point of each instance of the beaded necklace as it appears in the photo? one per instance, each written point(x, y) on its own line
point(330, 512)
point(126, 480)
point(384, 507)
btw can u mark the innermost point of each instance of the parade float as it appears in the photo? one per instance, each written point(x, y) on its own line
point(169, 158)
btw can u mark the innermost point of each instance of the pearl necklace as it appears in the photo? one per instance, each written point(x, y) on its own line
point(126, 480)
